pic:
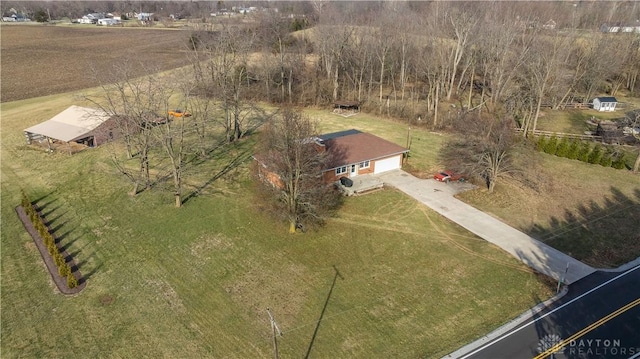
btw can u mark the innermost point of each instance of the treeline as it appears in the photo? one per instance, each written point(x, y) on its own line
point(436, 61)
point(407, 59)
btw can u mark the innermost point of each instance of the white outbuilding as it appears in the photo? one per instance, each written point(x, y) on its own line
point(605, 104)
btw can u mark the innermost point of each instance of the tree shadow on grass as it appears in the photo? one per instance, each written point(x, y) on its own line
point(232, 163)
point(42, 198)
point(601, 235)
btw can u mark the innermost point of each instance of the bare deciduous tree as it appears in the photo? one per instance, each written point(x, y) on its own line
point(289, 152)
point(483, 148)
point(542, 71)
point(134, 104)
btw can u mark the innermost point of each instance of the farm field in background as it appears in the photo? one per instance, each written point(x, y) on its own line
point(42, 60)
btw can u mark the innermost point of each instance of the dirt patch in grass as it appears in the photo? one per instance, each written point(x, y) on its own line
point(43, 60)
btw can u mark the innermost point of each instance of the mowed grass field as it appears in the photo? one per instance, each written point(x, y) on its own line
point(39, 60)
point(587, 211)
point(196, 281)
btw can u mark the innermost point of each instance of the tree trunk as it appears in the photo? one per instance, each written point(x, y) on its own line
point(403, 71)
point(289, 84)
point(538, 106)
point(335, 85)
point(381, 79)
point(435, 107)
point(292, 226)
point(492, 185)
point(636, 165)
point(473, 69)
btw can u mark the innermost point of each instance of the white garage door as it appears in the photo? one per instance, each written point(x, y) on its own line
point(387, 164)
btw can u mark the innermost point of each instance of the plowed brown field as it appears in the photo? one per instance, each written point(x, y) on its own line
point(39, 60)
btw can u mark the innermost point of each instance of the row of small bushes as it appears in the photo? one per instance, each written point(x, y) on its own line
point(582, 151)
point(64, 269)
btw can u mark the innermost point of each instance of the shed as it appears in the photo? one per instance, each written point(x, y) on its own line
point(76, 124)
point(346, 108)
point(347, 105)
point(605, 104)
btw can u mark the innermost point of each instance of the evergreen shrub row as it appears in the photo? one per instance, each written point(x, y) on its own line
point(597, 154)
point(49, 241)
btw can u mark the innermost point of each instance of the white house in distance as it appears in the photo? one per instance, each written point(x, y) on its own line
point(144, 16)
point(605, 104)
point(91, 18)
point(633, 27)
point(108, 22)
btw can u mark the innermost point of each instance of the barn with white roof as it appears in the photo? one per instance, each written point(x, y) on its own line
point(75, 125)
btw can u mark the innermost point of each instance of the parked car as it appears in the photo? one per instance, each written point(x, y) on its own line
point(179, 113)
point(448, 176)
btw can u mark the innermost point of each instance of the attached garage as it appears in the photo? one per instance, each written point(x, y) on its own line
point(387, 164)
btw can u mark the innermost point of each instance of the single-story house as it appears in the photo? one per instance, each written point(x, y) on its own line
point(630, 27)
point(549, 25)
point(605, 104)
point(108, 22)
point(353, 153)
point(91, 18)
point(144, 16)
point(16, 18)
point(76, 124)
point(357, 153)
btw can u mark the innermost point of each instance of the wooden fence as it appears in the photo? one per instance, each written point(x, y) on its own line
point(569, 106)
point(563, 135)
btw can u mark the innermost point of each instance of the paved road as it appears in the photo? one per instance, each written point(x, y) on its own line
point(598, 318)
point(439, 197)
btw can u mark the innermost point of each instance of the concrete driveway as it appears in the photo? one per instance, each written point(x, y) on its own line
point(440, 197)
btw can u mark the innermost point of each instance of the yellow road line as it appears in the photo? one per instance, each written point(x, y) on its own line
point(589, 328)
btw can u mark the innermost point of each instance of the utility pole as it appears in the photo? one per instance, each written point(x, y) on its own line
point(564, 276)
point(274, 330)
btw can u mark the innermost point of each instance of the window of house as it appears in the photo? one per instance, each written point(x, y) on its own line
point(341, 170)
point(364, 164)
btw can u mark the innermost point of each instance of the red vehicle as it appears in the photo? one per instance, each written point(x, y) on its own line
point(448, 176)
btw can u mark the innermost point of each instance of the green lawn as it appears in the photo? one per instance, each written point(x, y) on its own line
point(587, 211)
point(574, 121)
point(196, 281)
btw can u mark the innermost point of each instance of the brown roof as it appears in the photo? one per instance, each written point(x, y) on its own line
point(353, 146)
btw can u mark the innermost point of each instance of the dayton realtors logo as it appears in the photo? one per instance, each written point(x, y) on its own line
point(552, 344)
point(549, 345)
point(608, 348)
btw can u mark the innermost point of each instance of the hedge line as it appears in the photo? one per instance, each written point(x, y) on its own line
point(582, 151)
point(39, 224)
